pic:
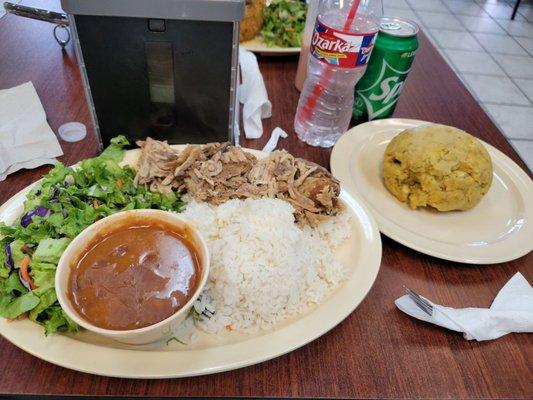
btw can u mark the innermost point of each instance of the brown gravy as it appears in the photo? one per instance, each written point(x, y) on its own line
point(134, 275)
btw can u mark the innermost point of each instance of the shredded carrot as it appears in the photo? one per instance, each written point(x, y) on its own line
point(24, 271)
point(95, 203)
point(120, 183)
point(229, 328)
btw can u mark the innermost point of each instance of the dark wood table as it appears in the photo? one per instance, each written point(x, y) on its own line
point(377, 352)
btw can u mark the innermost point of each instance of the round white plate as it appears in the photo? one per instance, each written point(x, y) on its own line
point(87, 352)
point(257, 45)
point(498, 229)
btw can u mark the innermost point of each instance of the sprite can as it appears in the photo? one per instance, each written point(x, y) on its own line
point(377, 92)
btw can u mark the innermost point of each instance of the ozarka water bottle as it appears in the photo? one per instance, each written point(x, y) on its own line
point(343, 38)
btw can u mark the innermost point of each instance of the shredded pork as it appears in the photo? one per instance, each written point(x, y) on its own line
point(217, 172)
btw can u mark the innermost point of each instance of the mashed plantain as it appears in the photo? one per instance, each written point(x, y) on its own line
point(437, 166)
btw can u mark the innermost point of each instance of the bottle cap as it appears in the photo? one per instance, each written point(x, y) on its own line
point(72, 131)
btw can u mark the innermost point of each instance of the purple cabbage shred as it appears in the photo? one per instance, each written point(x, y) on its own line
point(9, 258)
point(40, 211)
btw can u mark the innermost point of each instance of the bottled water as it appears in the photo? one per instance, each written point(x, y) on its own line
point(340, 48)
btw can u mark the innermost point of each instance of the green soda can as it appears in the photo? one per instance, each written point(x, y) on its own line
point(378, 91)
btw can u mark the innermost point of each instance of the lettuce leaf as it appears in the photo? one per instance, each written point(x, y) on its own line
point(115, 151)
point(4, 267)
point(284, 23)
point(50, 250)
point(55, 319)
point(12, 307)
point(16, 251)
point(15, 299)
point(43, 275)
point(47, 299)
point(13, 286)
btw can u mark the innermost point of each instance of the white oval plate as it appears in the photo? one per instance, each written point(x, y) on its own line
point(257, 45)
point(498, 229)
point(87, 352)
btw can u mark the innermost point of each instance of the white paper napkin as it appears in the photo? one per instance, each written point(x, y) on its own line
point(26, 140)
point(272, 143)
point(253, 95)
point(511, 311)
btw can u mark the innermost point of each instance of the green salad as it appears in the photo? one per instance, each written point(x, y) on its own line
point(65, 202)
point(284, 23)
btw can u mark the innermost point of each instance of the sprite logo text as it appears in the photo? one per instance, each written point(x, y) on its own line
point(384, 92)
point(390, 90)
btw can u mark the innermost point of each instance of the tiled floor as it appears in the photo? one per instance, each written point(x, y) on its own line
point(490, 53)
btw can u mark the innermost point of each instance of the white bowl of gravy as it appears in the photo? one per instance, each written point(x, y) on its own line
point(133, 276)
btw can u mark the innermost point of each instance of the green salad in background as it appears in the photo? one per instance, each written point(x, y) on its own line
point(284, 23)
point(65, 202)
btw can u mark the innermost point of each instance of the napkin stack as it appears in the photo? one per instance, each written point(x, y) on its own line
point(511, 311)
point(253, 95)
point(26, 140)
point(256, 106)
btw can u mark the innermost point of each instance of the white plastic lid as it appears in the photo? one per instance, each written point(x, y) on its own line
point(72, 131)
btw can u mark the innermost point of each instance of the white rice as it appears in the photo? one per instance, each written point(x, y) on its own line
point(264, 268)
